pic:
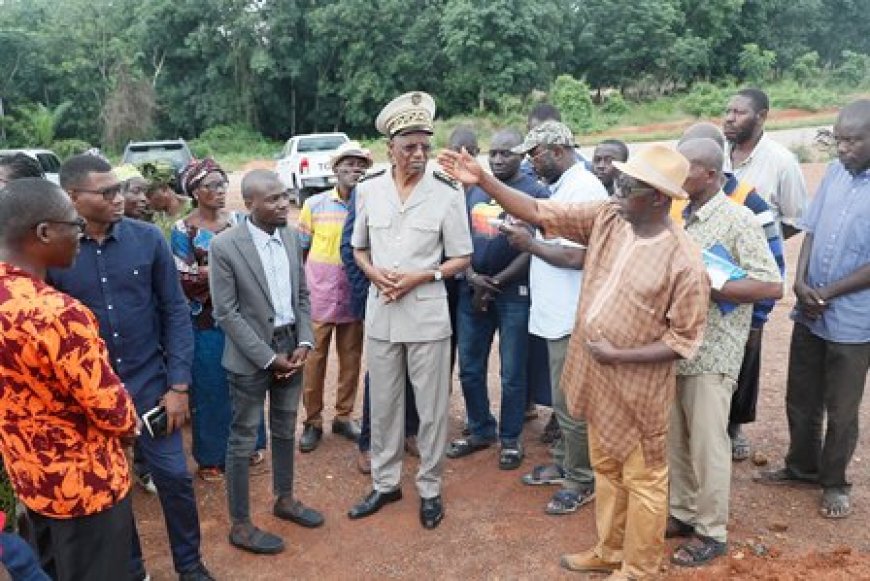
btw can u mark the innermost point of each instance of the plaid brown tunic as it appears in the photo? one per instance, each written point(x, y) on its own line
point(636, 291)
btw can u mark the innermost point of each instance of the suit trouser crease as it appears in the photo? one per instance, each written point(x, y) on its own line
point(348, 348)
point(699, 453)
point(428, 366)
point(631, 507)
point(248, 393)
point(571, 451)
point(825, 381)
point(510, 316)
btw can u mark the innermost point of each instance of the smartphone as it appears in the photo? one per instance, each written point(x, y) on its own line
point(156, 421)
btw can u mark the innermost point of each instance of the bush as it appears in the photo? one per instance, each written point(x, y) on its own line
point(615, 105)
point(233, 141)
point(706, 99)
point(791, 95)
point(572, 98)
point(854, 69)
point(806, 68)
point(66, 148)
point(756, 63)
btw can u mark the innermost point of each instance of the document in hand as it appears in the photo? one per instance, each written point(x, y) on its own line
point(721, 268)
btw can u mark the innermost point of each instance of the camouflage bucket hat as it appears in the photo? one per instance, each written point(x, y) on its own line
point(547, 133)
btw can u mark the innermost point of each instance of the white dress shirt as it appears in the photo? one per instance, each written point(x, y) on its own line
point(276, 265)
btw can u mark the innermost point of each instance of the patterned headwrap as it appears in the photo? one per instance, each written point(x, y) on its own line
point(195, 171)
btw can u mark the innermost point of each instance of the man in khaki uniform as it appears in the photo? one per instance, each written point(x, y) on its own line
point(411, 232)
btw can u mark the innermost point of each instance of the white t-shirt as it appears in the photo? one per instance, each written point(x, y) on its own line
point(555, 291)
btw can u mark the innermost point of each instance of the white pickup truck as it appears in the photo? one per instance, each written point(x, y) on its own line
point(303, 164)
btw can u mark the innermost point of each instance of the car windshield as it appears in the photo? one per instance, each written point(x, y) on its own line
point(175, 153)
point(326, 143)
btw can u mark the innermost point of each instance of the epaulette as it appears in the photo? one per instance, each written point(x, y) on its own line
point(369, 176)
point(443, 177)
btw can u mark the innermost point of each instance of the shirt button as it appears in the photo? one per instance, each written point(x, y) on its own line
point(109, 307)
point(114, 335)
point(103, 279)
point(135, 272)
point(118, 360)
point(99, 251)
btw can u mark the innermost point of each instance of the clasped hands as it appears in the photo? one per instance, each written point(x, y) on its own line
point(286, 366)
point(395, 284)
point(811, 302)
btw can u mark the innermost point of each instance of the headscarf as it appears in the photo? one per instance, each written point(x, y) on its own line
point(194, 173)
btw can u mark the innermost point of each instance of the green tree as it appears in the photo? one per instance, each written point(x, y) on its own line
point(572, 98)
point(756, 64)
point(36, 125)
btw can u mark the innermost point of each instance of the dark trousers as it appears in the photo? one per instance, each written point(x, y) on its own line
point(164, 458)
point(412, 419)
point(248, 393)
point(745, 398)
point(88, 547)
point(823, 378)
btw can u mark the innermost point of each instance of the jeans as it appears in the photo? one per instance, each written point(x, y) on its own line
point(164, 458)
point(510, 315)
point(412, 419)
point(248, 393)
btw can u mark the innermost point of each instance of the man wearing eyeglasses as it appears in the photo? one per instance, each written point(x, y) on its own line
point(126, 275)
point(65, 412)
point(411, 232)
point(643, 307)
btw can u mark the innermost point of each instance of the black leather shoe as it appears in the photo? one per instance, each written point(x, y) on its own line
point(198, 573)
point(295, 511)
point(349, 429)
point(310, 438)
point(374, 502)
point(431, 512)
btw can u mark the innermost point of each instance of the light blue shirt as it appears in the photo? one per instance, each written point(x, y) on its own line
point(273, 256)
point(839, 219)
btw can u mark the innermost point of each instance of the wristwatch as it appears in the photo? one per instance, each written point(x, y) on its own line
point(439, 276)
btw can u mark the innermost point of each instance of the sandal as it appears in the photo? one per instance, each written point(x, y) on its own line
point(568, 501)
point(780, 476)
point(210, 473)
point(699, 551)
point(510, 458)
point(257, 457)
point(740, 448)
point(545, 474)
point(466, 446)
point(835, 504)
point(676, 529)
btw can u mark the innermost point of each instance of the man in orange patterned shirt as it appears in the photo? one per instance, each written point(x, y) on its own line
point(63, 411)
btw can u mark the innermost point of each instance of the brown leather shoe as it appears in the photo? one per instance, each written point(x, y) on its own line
point(364, 462)
point(588, 561)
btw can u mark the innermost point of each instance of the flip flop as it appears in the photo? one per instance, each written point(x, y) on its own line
point(699, 551)
point(568, 501)
point(466, 446)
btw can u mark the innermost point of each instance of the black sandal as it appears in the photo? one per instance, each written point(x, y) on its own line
point(678, 529)
point(700, 551)
point(465, 447)
point(510, 458)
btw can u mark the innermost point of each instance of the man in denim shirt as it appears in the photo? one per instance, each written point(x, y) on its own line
point(830, 344)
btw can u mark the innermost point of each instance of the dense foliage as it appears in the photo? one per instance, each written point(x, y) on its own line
point(106, 71)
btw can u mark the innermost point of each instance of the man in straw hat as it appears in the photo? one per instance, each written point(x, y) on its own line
point(320, 225)
point(643, 307)
point(411, 232)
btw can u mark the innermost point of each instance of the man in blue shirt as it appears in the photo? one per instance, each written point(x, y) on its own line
point(830, 345)
point(495, 295)
point(126, 275)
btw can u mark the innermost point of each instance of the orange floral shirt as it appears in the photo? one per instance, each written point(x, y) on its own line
point(62, 408)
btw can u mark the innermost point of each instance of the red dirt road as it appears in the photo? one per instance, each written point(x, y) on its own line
point(495, 527)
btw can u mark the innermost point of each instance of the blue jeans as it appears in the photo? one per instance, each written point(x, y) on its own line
point(164, 458)
point(510, 316)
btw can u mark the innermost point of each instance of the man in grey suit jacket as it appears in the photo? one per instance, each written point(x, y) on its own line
point(261, 302)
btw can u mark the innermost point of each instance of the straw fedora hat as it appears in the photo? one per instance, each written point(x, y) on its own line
point(351, 149)
point(659, 166)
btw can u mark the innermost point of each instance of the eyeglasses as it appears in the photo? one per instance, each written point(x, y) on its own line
point(79, 223)
point(625, 189)
point(108, 194)
point(215, 187)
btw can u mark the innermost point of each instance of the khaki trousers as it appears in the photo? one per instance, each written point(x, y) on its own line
point(348, 346)
point(631, 509)
point(699, 453)
point(427, 364)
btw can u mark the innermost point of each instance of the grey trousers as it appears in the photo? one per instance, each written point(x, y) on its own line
point(571, 451)
point(824, 378)
point(428, 366)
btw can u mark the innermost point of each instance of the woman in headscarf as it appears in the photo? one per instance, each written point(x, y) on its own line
point(190, 237)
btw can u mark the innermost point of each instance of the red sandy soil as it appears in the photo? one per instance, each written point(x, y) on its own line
point(495, 527)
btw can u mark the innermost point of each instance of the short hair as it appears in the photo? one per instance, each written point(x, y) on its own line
point(254, 179)
point(545, 112)
point(463, 136)
point(20, 165)
point(759, 99)
point(75, 170)
point(856, 111)
point(25, 203)
point(618, 144)
point(704, 129)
